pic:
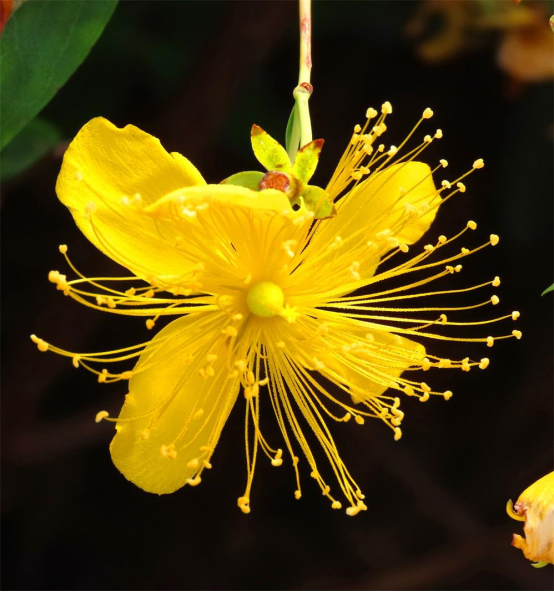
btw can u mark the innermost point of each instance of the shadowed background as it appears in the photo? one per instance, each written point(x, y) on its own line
point(198, 75)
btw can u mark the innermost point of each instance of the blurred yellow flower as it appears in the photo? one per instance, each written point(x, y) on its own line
point(535, 506)
point(268, 297)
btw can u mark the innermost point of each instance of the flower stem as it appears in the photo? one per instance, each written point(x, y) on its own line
point(302, 126)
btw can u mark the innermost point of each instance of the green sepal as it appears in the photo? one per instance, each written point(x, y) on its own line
point(268, 151)
point(550, 289)
point(248, 179)
point(307, 160)
point(292, 135)
point(540, 564)
point(317, 201)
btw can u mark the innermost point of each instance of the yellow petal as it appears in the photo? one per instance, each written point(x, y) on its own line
point(367, 372)
point(401, 199)
point(536, 503)
point(114, 173)
point(177, 406)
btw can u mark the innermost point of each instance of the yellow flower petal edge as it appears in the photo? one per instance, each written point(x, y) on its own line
point(535, 506)
point(180, 396)
point(313, 320)
point(108, 176)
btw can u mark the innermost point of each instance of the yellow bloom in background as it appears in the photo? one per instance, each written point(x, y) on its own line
point(276, 295)
point(535, 506)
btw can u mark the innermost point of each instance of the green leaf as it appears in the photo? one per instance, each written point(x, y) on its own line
point(268, 151)
point(42, 45)
point(34, 142)
point(307, 160)
point(248, 179)
point(550, 289)
point(317, 201)
point(292, 135)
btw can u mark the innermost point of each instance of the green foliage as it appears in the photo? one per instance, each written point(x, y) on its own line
point(317, 201)
point(42, 45)
point(549, 289)
point(307, 160)
point(248, 179)
point(292, 135)
point(30, 145)
point(268, 151)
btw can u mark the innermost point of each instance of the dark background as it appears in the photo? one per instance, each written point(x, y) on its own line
point(197, 75)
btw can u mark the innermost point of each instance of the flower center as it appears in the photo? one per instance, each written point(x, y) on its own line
point(265, 299)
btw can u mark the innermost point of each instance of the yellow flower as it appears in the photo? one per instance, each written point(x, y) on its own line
point(535, 506)
point(271, 300)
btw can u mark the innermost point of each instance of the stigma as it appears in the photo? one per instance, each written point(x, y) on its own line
point(265, 299)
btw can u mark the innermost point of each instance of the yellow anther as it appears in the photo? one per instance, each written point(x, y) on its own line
point(392, 151)
point(110, 302)
point(393, 242)
point(409, 390)
point(75, 361)
point(356, 175)
point(237, 317)
point(63, 249)
point(207, 464)
point(297, 494)
point(438, 134)
point(443, 319)
point(168, 451)
point(359, 420)
point(515, 315)
point(90, 207)
point(444, 363)
point(193, 464)
point(336, 505)
point(444, 163)
point(458, 268)
point(427, 114)
point(429, 248)
point(465, 251)
point(447, 395)
point(357, 128)
point(150, 323)
point(517, 334)
point(424, 398)
point(194, 482)
point(494, 238)
point(230, 331)
point(386, 108)
point(125, 200)
point(466, 367)
point(461, 187)
point(442, 239)
point(484, 363)
point(397, 434)
point(103, 375)
point(427, 139)
point(425, 387)
point(479, 163)
point(371, 113)
point(346, 417)
point(495, 300)
point(277, 462)
point(145, 434)
point(288, 247)
point(127, 375)
point(490, 341)
point(198, 414)
point(446, 184)
point(101, 415)
point(354, 270)
point(426, 364)
point(404, 248)
point(244, 504)
point(496, 282)
point(40, 343)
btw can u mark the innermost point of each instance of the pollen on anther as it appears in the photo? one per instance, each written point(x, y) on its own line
point(496, 282)
point(397, 434)
point(63, 249)
point(517, 334)
point(371, 113)
point(297, 494)
point(494, 238)
point(150, 323)
point(490, 341)
point(404, 248)
point(359, 420)
point(444, 163)
point(447, 395)
point(100, 416)
point(479, 163)
point(427, 114)
point(484, 363)
point(438, 134)
point(515, 315)
point(495, 300)
point(461, 187)
point(386, 108)
point(472, 225)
